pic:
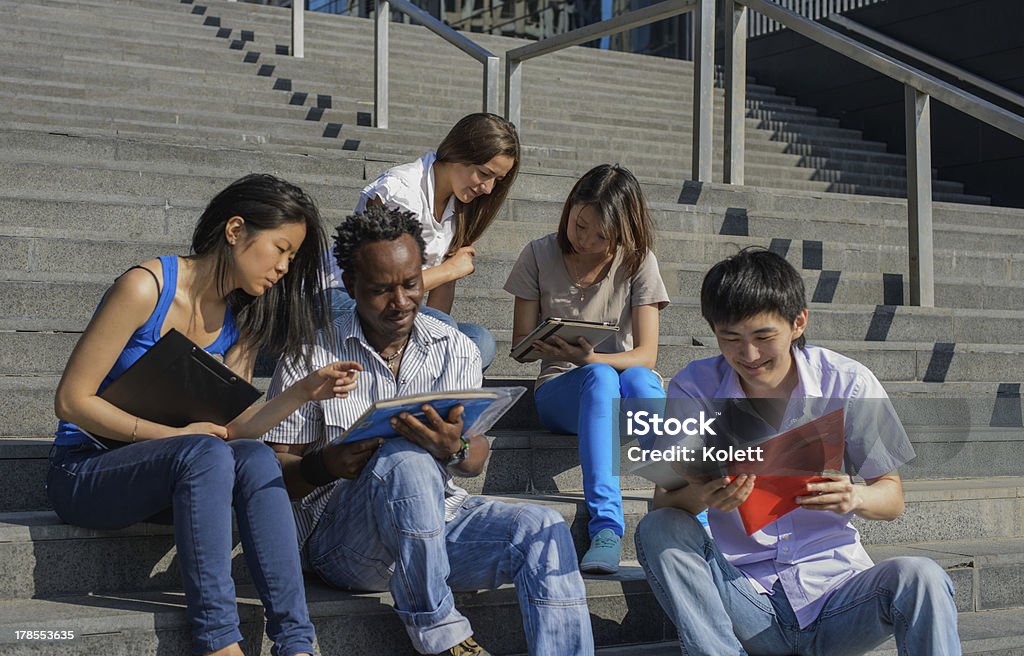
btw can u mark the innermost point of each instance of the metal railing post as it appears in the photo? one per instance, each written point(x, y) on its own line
point(514, 91)
point(492, 74)
point(703, 89)
point(919, 197)
point(298, 28)
point(736, 18)
point(380, 69)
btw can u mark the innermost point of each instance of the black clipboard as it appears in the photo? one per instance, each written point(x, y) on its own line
point(176, 383)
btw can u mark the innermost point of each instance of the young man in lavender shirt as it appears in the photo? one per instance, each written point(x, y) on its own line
point(803, 584)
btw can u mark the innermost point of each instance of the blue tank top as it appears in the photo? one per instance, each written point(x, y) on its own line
point(146, 336)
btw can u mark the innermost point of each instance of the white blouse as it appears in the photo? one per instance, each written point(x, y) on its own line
point(407, 187)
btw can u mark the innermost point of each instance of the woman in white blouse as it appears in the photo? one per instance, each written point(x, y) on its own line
point(456, 194)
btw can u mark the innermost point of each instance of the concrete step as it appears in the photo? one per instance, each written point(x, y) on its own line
point(42, 96)
point(46, 251)
point(972, 512)
point(319, 53)
point(26, 403)
point(561, 151)
point(349, 105)
point(43, 146)
point(828, 286)
point(995, 263)
point(98, 62)
point(953, 509)
point(847, 224)
point(622, 608)
point(530, 460)
point(983, 571)
point(848, 244)
point(26, 146)
point(457, 75)
point(37, 546)
point(142, 622)
point(193, 41)
point(958, 413)
point(889, 361)
point(984, 634)
point(299, 132)
point(23, 465)
point(849, 323)
point(34, 145)
point(405, 100)
point(294, 121)
point(812, 204)
point(40, 322)
point(170, 181)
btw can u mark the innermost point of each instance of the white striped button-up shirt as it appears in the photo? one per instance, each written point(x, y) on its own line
point(438, 358)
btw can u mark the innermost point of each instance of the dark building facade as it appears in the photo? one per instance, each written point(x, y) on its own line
point(981, 36)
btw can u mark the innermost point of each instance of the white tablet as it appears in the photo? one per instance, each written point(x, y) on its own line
point(570, 330)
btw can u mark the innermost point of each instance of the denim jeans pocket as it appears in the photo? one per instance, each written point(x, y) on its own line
point(419, 516)
point(743, 586)
point(343, 567)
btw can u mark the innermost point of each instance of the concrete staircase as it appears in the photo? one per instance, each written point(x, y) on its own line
point(119, 119)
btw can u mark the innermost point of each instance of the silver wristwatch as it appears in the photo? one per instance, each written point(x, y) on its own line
point(459, 456)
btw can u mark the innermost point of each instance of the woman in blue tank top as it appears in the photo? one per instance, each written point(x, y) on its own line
point(232, 297)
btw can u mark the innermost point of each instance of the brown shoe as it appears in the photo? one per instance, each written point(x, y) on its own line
point(467, 647)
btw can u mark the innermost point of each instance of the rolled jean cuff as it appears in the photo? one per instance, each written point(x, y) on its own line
point(291, 649)
point(436, 631)
point(214, 641)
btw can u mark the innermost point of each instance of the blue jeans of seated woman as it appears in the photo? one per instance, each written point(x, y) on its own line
point(387, 531)
point(199, 479)
point(716, 609)
point(580, 401)
point(340, 300)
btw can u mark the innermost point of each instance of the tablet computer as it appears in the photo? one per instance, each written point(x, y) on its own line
point(570, 330)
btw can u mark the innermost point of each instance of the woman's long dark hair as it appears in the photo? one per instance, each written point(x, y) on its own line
point(286, 318)
point(477, 139)
point(616, 195)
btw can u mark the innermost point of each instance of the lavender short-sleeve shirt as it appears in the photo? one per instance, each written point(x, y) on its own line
point(811, 552)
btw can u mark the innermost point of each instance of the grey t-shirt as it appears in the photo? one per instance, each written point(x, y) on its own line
point(540, 275)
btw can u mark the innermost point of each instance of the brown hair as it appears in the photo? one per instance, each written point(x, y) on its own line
point(476, 139)
point(616, 195)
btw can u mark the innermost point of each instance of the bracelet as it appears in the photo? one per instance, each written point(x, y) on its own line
point(313, 469)
point(136, 429)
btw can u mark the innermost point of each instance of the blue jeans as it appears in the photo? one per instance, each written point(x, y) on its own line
point(387, 531)
point(716, 610)
point(580, 401)
point(199, 478)
point(340, 300)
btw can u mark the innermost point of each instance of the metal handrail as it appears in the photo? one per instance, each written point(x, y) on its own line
point(491, 63)
point(919, 88)
point(703, 64)
point(922, 56)
point(522, 17)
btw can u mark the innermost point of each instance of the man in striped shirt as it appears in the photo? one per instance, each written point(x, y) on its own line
point(385, 514)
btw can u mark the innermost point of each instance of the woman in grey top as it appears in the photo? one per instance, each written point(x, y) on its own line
point(597, 267)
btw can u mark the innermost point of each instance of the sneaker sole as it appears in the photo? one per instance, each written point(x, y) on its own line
point(598, 568)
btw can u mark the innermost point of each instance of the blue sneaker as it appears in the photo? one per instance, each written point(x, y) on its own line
point(604, 553)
